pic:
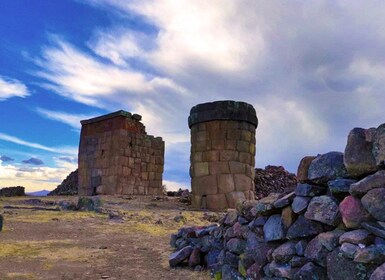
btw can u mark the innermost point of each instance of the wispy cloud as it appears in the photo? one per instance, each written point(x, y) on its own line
point(59, 150)
point(72, 120)
point(11, 87)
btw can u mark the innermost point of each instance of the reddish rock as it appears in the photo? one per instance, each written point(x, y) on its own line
point(303, 168)
point(353, 213)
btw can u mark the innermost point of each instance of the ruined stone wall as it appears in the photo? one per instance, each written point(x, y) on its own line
point(222, 154)
point(116, 156)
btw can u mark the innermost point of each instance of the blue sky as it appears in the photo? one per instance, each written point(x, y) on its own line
point(312, 69)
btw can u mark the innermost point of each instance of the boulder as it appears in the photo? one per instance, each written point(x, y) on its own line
point(358, 157)
point(379, 273)
point(339, 267)
point(303, 227)
point(358, 236)
point(12, 191)
point(236, 245)
point(265, 206)
point(300, 204)
point(340, 187)
point(353, 212)
point(231, 217)
point(179, 256)
point(374, 202)
point(379, 145)
point(274, 229)
point(285, 252)
point(324, 209)
point(330, 239)
point(309, 190)
point(376, 180)
point(371, 254)
point(316, 252)
point(303, 168)
point(327, 167)
point(311, 271)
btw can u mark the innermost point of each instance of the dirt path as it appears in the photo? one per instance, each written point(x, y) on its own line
point(86, 245)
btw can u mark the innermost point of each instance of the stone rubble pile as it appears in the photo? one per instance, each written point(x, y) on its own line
point(12, 191)
point(69, 186)
point(273, 179)
point(332, 226)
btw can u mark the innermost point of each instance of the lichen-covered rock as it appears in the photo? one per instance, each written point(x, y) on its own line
point(310, 271)
point(303, 227)
point(353, 212)
point(379, 145)
point(358, 236)
point(376, 180)
point(316, 252)
point(179, 256)
point(274, 229)
point(324, 209)
point(371, 254)
point(358, 157)
point(89, 203)
point(327, 167)
point(300, 204)
point(309, 190)
point(379, 273)
point(303, 168)
point(374, 203)
point(285, 252)
point(340, 187)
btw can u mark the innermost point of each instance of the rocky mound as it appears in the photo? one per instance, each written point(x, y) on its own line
point(273, 179)
point(12, 191)
point(69, 186)
point(331, 227)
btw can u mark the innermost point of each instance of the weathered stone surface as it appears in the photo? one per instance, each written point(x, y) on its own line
point(226, 183)
point(309, 190)
point(353, 213)
point(375, 229)
point(327, 167)
point(195, 258)
point(330, 239)
point(358, 157)
point(274, 228)
point(310, 271)
point(211, 259)
point(371, 254)
point(285, 252)
point(377, 180)
point(379, 145)
point(303, 227)
point(233, 198)
point(379, 273)
point(236, 245)
point(265, 205)
point(297, 261)
point(339, 267)
point(231, 217)
point(303, 167)
point(348, 250)
point(284, 201)
point(316, 252)
point(288, 216)
point(300, 247)
point(340, 187)
point(231, 259)
point(300, 204)
point(179, 256)
point(324, 209)
point(374, 203)
point(282, 270)
point(216, 201)
point(358, 236)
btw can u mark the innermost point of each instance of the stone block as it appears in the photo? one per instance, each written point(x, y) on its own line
point(234, 134)
point(227, 155)
point(218, 168)
point(196, 200)
point(196, 156)
point(243, 146)
point(245, 158)
point(242, 182)
point(237, 167)
point(231, 145)
point(200, 136)
point(201, 146)
point(213, 125)
point(210, 156)
point(216, 202)
point(226, 183)
point(235, 197)
point(201, 169)
point(218, 144)
point(246, 135)
point(205, 185)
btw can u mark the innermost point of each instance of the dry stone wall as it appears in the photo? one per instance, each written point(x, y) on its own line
point(116, 156)
point(222, 153)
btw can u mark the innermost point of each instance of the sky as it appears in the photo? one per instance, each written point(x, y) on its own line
point(313, 70)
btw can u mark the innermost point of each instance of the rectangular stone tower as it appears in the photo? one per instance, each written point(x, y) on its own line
point(116, 156)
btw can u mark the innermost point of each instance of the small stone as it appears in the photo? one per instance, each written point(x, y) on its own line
point(324, 209)
point(282, 270)
point(274, 229)
point(358, 236)
point(265, 206)
point(300, 204)
point(288, 216)
point(236, 246)
point(311, 271)
point(353, 212)
point(340, 187)
point(327, 167)
point(330, 239)
point(316, 252)
point(379, 273)
point(231, 217)
point(303, 227)
point(373, 202)
point(348, 250)
point(195, 258)
point(285, 252)
point(300, 247)
point(179, 256)
point(284, 201)
point(309, 190)
point(371, 254)
point(377, 180)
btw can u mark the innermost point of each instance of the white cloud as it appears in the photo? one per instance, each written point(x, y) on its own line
point(10, 88)
point(174, 186)
point(72, 120)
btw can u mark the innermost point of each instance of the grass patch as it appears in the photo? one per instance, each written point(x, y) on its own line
point(48, 216)
point(17, 275)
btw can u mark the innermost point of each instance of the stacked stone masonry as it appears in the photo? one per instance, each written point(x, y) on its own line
point(222, 154)
point(116, 156)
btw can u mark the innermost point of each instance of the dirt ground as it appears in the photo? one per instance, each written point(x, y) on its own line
point(41, 244)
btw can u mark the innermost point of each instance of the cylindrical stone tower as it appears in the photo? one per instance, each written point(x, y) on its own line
point(222, 153)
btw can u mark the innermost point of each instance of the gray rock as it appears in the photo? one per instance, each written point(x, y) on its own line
point(300, 204)
point(303, 227)
point(236, 246)
point(379, 145)
point(231, 259)
point(374, 203)
point(229, 273)
point(284, 201)
point(379, 241)
point(340, 187)
point(327, 167)
point(195, 258)
point(309, 190)
point(179, 256)
point(231, 217)
point(358, 157)
point(265, 206)
point(339, 267)
point(377, 180)
point(371, 254)
point(330, 239)
point(316, 252)
point(282, 270)
point(274, 228)
point(285, 252)
point(212, 258)
point(379, 273)
point(300, 247)
point(348, 250)
point(297, 261)
point(324, 209)
point(358, 236)
point(375, 229)
point(310, 271)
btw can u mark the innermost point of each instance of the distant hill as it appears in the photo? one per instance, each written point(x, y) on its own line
point(38, 193)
